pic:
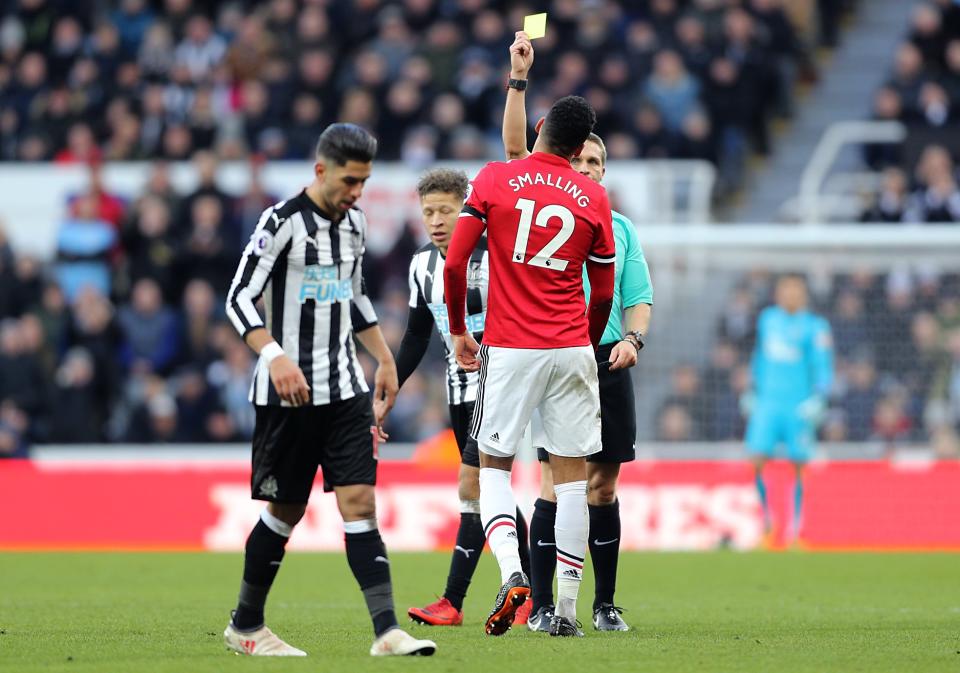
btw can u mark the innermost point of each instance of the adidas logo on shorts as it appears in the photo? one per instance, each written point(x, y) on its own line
point(495, 437)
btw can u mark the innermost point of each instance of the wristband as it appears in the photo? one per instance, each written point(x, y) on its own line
point(271, 352)
point(635, 338)
point(518, 84)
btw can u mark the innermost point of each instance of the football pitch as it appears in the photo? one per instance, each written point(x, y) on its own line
point(723, 611)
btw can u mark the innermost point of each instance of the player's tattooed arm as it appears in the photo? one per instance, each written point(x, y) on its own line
point(514, 113)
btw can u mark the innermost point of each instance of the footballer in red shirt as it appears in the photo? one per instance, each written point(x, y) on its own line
point(543, 221)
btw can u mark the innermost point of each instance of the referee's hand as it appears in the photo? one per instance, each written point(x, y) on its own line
point(623, 356)
point(289, 381)
point(521, 55)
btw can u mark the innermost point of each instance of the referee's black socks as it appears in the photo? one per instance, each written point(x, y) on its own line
point(604, 549)
point(368, 560)
point(604, 545)
point(264, 552)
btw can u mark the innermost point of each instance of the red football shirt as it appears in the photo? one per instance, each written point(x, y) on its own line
point(543, 221)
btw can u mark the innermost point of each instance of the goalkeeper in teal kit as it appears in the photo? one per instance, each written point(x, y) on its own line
point(792, 370)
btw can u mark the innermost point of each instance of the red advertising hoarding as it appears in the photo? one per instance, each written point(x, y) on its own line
point(665, 505)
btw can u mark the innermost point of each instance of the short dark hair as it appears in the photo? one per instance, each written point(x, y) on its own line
point(341, 143)
point(568, 124)
point(445, 180)
point(796, 276)
point(594, 138)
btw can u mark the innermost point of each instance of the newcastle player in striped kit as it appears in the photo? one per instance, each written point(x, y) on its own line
point(442, 192)
point(312, 403)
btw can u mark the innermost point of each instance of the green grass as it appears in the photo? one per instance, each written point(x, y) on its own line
point(721, 611)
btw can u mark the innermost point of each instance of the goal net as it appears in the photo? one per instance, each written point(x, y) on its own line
point(890, 293)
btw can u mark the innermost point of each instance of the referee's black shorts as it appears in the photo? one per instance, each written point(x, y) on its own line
point(461, 418)
point(618, 415)
point(290, 443)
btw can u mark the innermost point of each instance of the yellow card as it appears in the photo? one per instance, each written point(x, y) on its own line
point(535, 25)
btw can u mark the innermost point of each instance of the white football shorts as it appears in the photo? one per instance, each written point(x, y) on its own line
point(559, 382)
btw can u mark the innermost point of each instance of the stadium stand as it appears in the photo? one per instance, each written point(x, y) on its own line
point(86, 81)
point(922, 91)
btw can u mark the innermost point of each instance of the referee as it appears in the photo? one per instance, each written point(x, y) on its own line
point(312, 403)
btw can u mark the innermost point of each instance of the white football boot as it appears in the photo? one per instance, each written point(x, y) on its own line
point(260, 643)
point(399, 642)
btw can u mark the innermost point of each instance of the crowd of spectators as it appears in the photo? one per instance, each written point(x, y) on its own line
point(923, 92)
point(138, 79)
point(897, 344)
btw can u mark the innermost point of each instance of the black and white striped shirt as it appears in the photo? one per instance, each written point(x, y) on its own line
point(426, 291)
point(308, 271)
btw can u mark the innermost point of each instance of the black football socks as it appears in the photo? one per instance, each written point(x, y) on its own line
point(367, 557)
point(466, 555)
point(523, 538)
point(543, 552)
point(264, 552)
point(604, 549)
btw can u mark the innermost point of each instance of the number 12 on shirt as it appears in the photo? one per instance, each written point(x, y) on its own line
point(544, 258)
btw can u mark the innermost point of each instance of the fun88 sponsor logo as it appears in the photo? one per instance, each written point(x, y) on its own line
point(321, 284)
point(475, 322)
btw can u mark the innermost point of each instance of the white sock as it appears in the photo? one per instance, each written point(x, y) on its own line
point(571, 529)
point(498, 510)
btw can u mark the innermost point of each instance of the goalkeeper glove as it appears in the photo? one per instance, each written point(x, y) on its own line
point(811, 409)
point(747, 402)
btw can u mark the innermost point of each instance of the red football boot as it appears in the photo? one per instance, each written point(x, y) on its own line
point(440, 613)
point(523, 613)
